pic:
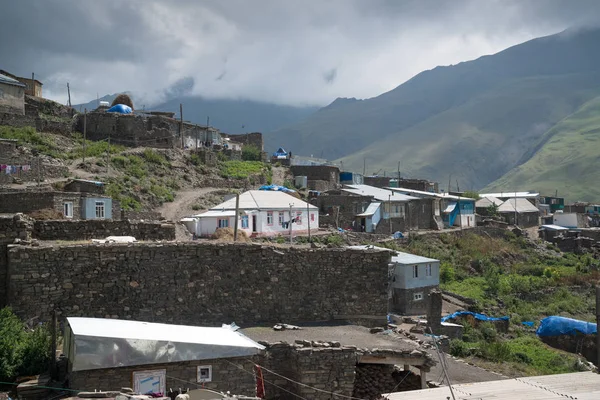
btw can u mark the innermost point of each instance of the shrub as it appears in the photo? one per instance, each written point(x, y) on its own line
point(22, 352)
point(154, 157)
point(251, 153)
point(458, 348)
point(495, 351)
point(447, 273)
point(335, 240)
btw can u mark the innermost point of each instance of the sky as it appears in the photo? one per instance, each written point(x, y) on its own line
point(302, 52)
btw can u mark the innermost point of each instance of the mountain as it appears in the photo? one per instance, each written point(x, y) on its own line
point(226, 115)
point(567, 159)
point(471, 122)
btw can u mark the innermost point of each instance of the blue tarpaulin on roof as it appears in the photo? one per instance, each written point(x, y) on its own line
point(479, 317)
point(277, 188)
point(120, 108)
point(280, 152)
point(556, 326)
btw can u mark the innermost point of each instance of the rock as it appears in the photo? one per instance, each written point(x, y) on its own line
point(278, 327)
point(335, 344)
point(376, 330)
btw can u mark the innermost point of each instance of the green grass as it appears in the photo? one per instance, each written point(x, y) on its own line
point(93, 149)
point(242, 169)
point(566, 161)
point(39, 142)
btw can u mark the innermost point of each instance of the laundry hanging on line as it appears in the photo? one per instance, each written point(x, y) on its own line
point(14, 169)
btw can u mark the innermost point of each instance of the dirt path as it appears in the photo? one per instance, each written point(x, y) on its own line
point(182, 206)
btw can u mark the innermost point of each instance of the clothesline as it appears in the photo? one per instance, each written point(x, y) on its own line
point(14, 169)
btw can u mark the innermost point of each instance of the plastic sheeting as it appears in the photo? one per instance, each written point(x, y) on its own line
point(280, 153)
point(96, 343)
point(120, 108)
point(556, 326)
point(277, 188)
point(477, 316)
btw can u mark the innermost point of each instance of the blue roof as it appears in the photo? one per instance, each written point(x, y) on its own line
point(10, 81)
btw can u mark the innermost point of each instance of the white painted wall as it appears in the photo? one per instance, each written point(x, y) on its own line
point(568, 220)
point(404, 275)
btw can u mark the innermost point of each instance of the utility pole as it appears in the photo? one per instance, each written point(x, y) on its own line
point(197, 133)
point(398, 173)
point(69, 93)
point(449, 180)
point(84, 131)
point(291, 223)
point(108, 153)
point(516, 222)
point(598, 324)
point(33, 85)
point(237, 210)
point(308, 219)
point(390, 213)
point(181, 123)
point(364, 166)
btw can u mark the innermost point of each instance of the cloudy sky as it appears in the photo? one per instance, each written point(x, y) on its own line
point(284, 51)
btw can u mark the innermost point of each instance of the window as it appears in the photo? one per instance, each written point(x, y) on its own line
point(204, 373)
point(299, 218)
point(418, 296)
point(428, 270)
point(312, 217)
point(244, 222)
point(269, 217)
point(223, 222)
point(100, 209)
point(68, 209)
point(416, 271)
point(281, 218)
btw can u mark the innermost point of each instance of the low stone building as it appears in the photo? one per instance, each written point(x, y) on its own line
point(520, 212)
point(319, 177)
point(12, 95)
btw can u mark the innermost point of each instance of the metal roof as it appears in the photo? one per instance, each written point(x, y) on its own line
point(10, 81)
point(265, 200)
point(488, 201)
point(216, 213)
point(399, 257)
point(578, 385)
point(371, 210)
point(96, 343)
point(378, 193)
point(430, 194)
point(551, 227)
point(525, 195)
point(519, 205)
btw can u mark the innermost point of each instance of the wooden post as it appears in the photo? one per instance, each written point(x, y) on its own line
point(108, 153)
point(237, 209)
point(290, 223)
point(197, 133)
point(598, 324)
point(181, 123)
point(69, 93)
point(308, 219)
point(84, 132)
point(32, 84)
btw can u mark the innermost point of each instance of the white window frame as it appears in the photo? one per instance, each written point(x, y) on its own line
point(298, 217)
point(245, 222)
point(68, 209)
point(428, 270)
point(270, 218)
point(225, 220)
point(281, 217)
point(417, 296)
point(415, 271)
point(100, 209)
point(207, 368)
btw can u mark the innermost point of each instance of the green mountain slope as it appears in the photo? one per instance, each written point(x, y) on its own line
point(474, 121)
point(567, 161)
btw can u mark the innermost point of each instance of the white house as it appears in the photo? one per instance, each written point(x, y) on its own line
point(261, 213)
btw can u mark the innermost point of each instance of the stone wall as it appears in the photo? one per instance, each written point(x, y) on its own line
point(232, 374)
point(198, 284)
point(377, 181)
point(11, 228)
point(329, 175)
point(403, 301)
point(145, 215)
point(524, 220)
point(100, 229)
point(253, 139)
point(419, 184)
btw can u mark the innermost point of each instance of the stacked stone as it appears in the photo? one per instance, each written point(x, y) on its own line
point(372, 380)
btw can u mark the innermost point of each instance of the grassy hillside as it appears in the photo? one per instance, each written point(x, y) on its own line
point(567, 159)
point(476, 120)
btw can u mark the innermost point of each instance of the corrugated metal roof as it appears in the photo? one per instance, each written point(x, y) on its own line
point(578, 385)
point(216, 213)
point(10, 81)
point(399, 257)
point(378, 193)
point(551, 227)
point(519, 205)
point(431, 194)
point(525, 195)
point(488, 201)
point(264, 200)
point(371, 210)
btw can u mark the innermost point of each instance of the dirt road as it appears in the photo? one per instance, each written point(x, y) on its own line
point(182, 206)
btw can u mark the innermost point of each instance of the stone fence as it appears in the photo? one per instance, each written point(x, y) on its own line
point(198, 283)
point(100, 229)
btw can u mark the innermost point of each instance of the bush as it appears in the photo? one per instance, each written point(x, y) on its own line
point(335, 240)
point(154, 157)
point(251, 153)
point(447, 273)
point(495, 351)
point(22, 352)
point(458, 348)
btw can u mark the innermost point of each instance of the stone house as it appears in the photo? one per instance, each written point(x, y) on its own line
point(33, 87)
point(416, 184)
point(261, 213)
point(71, 205)
point(84, 186)
point(319, 177)
point(152, 357)
point(12, 95)
point(520, 212)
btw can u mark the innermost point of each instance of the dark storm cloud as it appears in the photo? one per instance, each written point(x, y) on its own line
point(271, 50)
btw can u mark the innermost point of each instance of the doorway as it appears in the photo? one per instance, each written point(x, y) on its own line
point(254, 223)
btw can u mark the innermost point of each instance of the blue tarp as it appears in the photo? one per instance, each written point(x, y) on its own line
point(479, 317)
point(120, 108)
point(556, 326)
point(528, 323)
point(277, 188)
